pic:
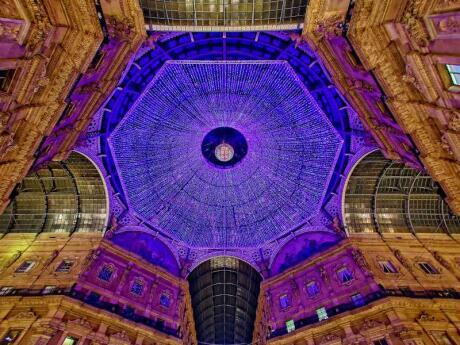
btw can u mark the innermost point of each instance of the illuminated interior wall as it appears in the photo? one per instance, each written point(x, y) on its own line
point(66, 196)
point(389, 197)
point(224, 293)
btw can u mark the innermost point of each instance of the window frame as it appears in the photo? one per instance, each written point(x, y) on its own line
point(288, 300)
point(358, 296)
point(428, 268)
point(168, 296)
point(49, 289)
point(33, 263)
point(75, 339)
point(453, 74)
point(63, 262)
point(321, 313)
point(102, 268)
point(7, 79)
point(15, 339)
point(349, 271)
point(384, 263)
point(379, 340)
point(140, 282)
point(6, 290)
point(317, 291)
point(290, 326)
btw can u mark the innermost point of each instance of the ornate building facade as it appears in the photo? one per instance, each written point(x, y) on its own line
point(230, 172)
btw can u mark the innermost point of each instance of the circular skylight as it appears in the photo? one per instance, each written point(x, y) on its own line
point(225, 154)
point(224, 147)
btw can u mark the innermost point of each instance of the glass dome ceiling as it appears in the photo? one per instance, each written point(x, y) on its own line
point(279, 183)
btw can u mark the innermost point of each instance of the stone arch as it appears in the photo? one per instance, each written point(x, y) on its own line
point(142, 242)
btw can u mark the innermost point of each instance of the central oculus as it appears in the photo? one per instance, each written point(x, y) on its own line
point(224, 147)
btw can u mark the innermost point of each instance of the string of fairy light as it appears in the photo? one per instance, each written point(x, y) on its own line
point(279, 183)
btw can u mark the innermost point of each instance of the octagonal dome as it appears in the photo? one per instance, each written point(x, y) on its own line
point(165, 159)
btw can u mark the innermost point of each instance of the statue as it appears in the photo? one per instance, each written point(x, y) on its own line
point(337, 227)
point(323, 274)
point(402, 260)
point(442, 261)
point(113, 226)
point(359, 258)
point(294, 287)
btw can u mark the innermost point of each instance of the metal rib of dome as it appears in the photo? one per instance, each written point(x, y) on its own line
point(65, 196)
point(387, 196)
point(278, 185)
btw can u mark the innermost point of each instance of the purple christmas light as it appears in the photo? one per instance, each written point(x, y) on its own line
point(278, 184)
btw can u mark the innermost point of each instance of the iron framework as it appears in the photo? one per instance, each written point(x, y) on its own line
point(64, 196)
point(389, 197)
point(224, 294)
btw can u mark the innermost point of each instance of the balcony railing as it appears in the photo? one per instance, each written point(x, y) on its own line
point(342, 308)
point(84, 297)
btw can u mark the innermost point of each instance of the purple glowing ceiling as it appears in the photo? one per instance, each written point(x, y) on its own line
point(164, 152)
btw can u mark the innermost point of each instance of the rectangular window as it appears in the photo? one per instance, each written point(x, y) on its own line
point(64, 266)
point(382, 341)
point(10, 336)
point(290, 326)
point(312, 288)
point(345, 275)
point(165, 300)
point(6, 75)
point(106, 273)
point(6, 290)
point(358, 300)
point(26, 266)
point(49, 289)
point(427, 268)
point(454, 71)
point(387, 267)
point(284, 301)
point(137, 287)
point(321, 313)
point(70, 341)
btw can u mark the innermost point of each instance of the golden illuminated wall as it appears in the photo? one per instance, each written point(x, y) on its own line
point(390, 197)
point(47, 285)
point(390, 60)
point(417, 303)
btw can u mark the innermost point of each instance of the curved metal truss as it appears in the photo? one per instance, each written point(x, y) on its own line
point(387, 196)
point(224, 294)
point(65, 196)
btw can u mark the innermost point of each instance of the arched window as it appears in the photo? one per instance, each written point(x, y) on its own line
point(65, 196)
point(386, 196)
point(224, 292)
